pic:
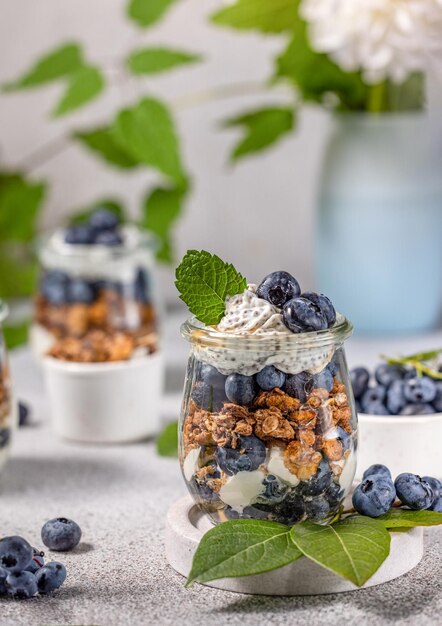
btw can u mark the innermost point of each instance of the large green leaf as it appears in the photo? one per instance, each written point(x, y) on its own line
point(147, 132)
point(84, 85)
point(161, 209)
point(156, 60)
point(403, 518)
point(316, 75)
point(16, 334)
point(263, 127)
point(267, 16)
point(54, 65)
point(147, 12)
point(20, 203)
point(167, 442)
point(353, 548)
point(18, 271)
point(102, 142)
point(242, 548)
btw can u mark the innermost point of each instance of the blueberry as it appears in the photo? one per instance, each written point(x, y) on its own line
point(275, 491)
point(5, 437)
point(3, 576)
point(80, 291)
point(103, 219)
point(248, 455)
point(410, 372)
point(323, 380)
point(79, 235)
point(299, 385)
point(374, 394)
point(358, 407)
point(317, 483)
point(385, 373)
point(325, 304)
point(333, 366)
point(50, 577)
point(377, 470)
point(395, 397)
point(251, 512)
point(436, 506)
point(278, 288)
point(435, 485)
point(54, 287)
point(201, 487)
point(37, 561)
point(210, 375)
point(334, 494)
point(375, 408)
point(437, 402)
point(269, 378)
point(301, 315)
point(374, 496)
point(343, 437)
point(142, 286)
point(240, 389)
point(317, 509)
point(15, 554)
point(414, 491)
point(23, 414)
point(419, 390)
point(108, 238)
point(291, 510)
point(417, 409)
point(359, 378)
point(21, 585)
point(61, 534)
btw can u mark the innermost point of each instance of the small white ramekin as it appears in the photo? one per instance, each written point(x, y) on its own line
point(403, 443)
point(115, 402)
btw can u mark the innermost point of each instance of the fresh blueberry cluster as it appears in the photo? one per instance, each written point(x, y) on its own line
point(301, 313)
point(102, 228)
point(397, 390)
point(377, 492)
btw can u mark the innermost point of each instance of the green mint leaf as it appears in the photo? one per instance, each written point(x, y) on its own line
point(353, 548)
point(18, 271)
point(167, 442)
point(147, 133)
point(147, 12)
point(403, 518)
point(16, 335)
point(84, 85)
point(242, 548)
point(83, 215)
point(54, 65)
point(204, 282)
point(162, 207)
point(156, 60)
point(20, 204)
point(263, 128)
point(267, 16)
point(101, 141)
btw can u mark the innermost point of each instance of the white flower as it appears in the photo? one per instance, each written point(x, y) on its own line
point(382, 38)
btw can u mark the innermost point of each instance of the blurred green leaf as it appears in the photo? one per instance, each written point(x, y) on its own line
point(147, 12)
point(54, 65)
point(315, 75)
point(156, 60)
point(167, 442)
point(108, 203)
point(84, 85)
point(147, 132)
point(20, 203)
point(101, 141)
point(267, 16)
point(16, 335)
point(18, 271)
point(162, 208)
point(263, 128)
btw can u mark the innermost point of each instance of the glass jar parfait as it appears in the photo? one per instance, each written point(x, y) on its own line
point(268, 428)
point(8, 412)
point(96, 326)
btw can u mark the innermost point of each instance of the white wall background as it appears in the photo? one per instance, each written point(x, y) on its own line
point(259, 214)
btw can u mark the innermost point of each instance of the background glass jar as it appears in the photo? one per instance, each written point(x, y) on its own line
point(8, 411)
point(96, 302)
point(277, 443)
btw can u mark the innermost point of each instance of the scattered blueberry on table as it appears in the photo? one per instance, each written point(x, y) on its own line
point(61, 534)
point(23, 414)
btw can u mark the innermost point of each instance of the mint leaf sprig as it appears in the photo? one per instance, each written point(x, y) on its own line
point(420, 361)
point(354, 547)
point(204, 282)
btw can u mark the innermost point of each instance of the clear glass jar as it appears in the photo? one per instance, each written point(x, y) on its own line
point(96, 303)
point(8, 411)
point(289, 453)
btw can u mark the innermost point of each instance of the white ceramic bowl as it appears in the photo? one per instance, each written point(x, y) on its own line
point(403, 443)
point(106, 402)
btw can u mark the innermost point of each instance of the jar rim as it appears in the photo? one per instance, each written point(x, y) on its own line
point(4, 311)
point(196, 332)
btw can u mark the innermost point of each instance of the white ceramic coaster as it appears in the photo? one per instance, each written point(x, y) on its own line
point(185, 525)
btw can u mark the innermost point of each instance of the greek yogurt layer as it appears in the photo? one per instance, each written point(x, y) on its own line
point(250, 316)
point(242, 489)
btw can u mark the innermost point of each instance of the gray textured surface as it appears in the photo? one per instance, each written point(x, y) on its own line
point(119, 576)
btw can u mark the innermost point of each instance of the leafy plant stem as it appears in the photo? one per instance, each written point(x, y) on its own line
point(217, 93)
point(45, 153)
point(376, 98)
